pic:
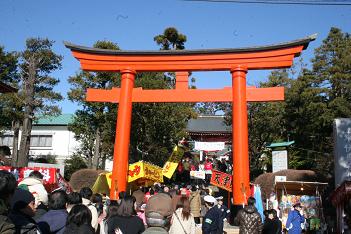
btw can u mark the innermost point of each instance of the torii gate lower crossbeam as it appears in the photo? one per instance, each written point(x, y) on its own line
point(237, 61)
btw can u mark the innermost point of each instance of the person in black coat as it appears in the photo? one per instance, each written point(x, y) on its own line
point(125, 219)
point(272, 224)
point(277, 224)
point(22, 212)
point(79, 221)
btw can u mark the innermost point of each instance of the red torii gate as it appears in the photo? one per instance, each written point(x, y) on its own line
point(237, 61)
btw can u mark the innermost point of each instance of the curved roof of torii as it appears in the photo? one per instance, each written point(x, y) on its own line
point(258, 57)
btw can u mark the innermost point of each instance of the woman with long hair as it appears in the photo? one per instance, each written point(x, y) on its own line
point(182, 220)
point(79, 220)
point(125, 219)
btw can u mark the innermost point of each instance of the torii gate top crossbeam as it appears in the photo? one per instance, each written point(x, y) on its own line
point(262, 57)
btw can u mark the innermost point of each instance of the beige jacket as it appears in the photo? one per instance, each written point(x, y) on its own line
point(176, 226)
point(94, 214)
point(195, 203)
point(38, 190)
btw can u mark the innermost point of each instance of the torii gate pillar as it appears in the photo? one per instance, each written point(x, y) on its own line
point(240, 147)
point(121, 147)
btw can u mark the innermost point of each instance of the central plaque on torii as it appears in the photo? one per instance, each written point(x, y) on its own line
point(237, 61)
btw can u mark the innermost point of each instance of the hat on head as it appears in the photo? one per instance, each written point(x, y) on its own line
point(297, 205)
point(160, 203)
point(21, 198)
point(210, 199)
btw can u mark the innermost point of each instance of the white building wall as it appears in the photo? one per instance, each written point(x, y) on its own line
point(63, 142)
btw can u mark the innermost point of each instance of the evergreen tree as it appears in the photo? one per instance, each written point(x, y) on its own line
point(8, 75)
point(36, 94)
point(157, 127)
point(171, 39)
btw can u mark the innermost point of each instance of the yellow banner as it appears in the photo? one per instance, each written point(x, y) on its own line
point(108, 179)
point(172, 163)
point(135, 171)
point(153, 172)
point(144, 170)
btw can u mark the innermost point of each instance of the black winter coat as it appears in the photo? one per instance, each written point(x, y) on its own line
point(249, 221)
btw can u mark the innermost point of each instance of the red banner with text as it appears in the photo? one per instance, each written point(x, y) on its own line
point(221, 180)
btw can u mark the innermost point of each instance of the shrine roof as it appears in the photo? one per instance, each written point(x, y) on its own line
point(303, 41)
point(63, 119)
point(280, 144)
point(212, 124)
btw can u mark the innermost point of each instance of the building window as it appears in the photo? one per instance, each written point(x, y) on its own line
point(41, 141)
point(35, 140)
point(6, 140)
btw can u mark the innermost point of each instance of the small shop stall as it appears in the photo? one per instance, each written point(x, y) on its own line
point(308, 194)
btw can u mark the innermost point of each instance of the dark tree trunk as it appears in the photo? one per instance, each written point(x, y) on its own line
point(29, 81)
point(25, 141)
point(15, 128)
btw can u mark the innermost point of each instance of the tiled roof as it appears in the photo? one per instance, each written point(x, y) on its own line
point(208, 124)
point(63, 119)
point(280, 144)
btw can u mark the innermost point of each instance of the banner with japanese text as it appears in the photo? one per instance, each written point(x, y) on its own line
point(135, 171)
point(144, 170)
point(221, 180)
point(52, 179)
point(153, 172)
point(172, 163)
point(49, 174)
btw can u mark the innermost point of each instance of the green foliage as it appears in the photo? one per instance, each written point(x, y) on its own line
point(171, 39)
point(37, 62)
point(10, 106)
point(73, 164)
point(313, 99)
point(8, 66)
point(157, 127)
point(93, 125)
point(210, 108)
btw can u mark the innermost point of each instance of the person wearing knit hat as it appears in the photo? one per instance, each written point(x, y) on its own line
point(34, 184)
point(22, 212)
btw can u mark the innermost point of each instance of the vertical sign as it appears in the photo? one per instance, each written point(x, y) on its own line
point(279, 160)
point(342, 150)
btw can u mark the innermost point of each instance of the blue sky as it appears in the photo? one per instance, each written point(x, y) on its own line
point(132, 25)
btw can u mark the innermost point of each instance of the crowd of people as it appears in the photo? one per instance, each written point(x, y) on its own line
point(189, 164)
point(28, 208)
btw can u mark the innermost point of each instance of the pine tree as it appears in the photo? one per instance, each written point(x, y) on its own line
point(36, 63)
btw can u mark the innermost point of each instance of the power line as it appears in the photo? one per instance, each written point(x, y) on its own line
point(282, 2)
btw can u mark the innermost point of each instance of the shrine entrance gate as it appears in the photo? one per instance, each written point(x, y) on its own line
point(237, 61)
